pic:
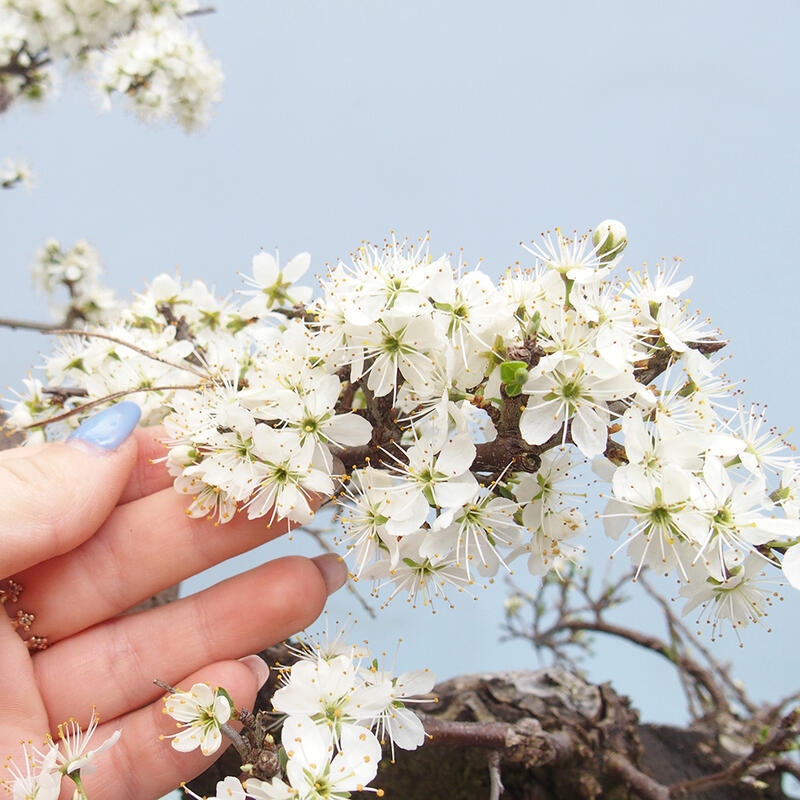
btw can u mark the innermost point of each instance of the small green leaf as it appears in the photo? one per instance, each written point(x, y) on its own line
point(509, 370)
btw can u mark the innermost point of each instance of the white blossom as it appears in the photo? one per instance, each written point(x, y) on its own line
point(199, 712)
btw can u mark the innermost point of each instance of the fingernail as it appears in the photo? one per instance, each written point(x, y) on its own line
point(109, 428)
point(258, 667)
point(333, 569)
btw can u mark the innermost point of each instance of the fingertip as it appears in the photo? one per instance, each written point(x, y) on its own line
point(333, 570)
point(258, 667)
point(107, 429)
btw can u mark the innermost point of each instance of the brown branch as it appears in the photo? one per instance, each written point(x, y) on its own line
point(782, 765)
point(524, 742)
point(780, 740)
point(643, 785)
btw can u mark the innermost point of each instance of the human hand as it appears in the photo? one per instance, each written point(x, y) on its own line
point(90, 528)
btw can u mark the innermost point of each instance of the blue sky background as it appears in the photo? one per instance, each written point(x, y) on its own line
point(484, 123)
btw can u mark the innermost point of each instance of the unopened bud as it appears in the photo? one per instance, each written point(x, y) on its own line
point(610, 239)
point(513, 605)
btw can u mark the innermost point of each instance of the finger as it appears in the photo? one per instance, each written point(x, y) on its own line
point(22, 713)
point(112, 666)
point(145, 546)
point(140, 765)
point(54, 496)
point(149, 474)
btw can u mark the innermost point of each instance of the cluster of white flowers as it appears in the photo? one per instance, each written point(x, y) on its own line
point(142, 49)
point(337, 709)
point(41, 772)
point(166, 72)
point(79, 271)
point(448, 413)
point(13, 173)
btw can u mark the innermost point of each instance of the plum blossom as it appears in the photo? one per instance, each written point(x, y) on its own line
point(37, 778)
point(274, 286)
point(199, 712)
point(315, 772)
point(572, 394)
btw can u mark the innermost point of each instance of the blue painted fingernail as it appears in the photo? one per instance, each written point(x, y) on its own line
point(108, 428)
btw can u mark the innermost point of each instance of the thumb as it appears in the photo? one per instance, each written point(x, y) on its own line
point(55, 496)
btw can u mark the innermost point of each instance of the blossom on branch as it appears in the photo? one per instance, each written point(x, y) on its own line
point(447, 414)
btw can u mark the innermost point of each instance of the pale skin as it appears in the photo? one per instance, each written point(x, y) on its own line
point(88, 535)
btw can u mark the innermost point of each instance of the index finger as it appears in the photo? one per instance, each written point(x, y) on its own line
point(149, 474)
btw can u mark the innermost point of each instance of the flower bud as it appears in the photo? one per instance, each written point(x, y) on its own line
point(513, 605)
point(610, 239)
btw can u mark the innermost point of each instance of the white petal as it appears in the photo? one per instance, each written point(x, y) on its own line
point(457, 455)
point(791, 566)
point(296, 267)
point(589, 431)
point(265, 269)
point(350, 430)
point(538, 423)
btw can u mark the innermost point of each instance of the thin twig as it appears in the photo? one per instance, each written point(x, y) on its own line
point(683, 636)
point(141, 351)
point(42, 327)
point(682, 662)
point(107, 399)
point(495, 778)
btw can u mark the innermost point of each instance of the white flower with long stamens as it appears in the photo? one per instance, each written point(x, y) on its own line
point(740, 595)
point(739, 515)
point(331, 693)
point(759, 449)
point(401, 725)
point(73, 754)
point(648, 292)
point(570, 391)
point(316, 770)
point(396, 280)
point(313, 415)
point(432, 479)
point(478, 532)
point(39, 777)
point(679, 330)
point(616, 338)
point(371, 501)
point(470, 312)
point(399, 347)
point(662, 507)
point(578, 258)
point(274, 285)
point(548, 548)
point(547, 490)
point(420, 576)
point(285, 475)
point(200, 713)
